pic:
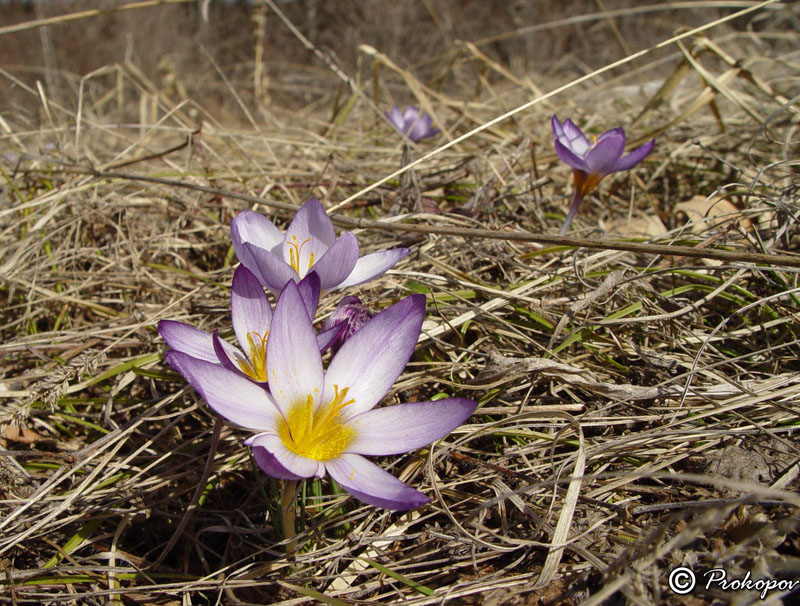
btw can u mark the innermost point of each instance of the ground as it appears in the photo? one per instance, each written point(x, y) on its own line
point(637, 380)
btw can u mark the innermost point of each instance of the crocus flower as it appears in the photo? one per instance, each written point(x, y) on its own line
point(591, 162)
point(309, 244)
point(251, 315)
point(349, 316)
point(312, 421)
point(412, 123)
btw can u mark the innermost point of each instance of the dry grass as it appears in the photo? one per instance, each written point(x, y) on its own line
point(638, 411)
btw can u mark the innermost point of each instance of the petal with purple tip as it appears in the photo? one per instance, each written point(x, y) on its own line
point(250, 309)
point(395, 117)
point(338, 262)
point(370, 361)
point(405, 427)
point(188, 339)
point(603, 156)
point(372, 485)
point(278, 461)
point(269, 268)
point(230, 395)
point(569, 158)
point(253, 227)
point(309, 292)
point(574, 138)
point(373, 265)
point(294, 366)
point(634, 157)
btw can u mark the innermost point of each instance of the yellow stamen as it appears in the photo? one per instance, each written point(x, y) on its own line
point(256, 366)
point(294, 254)
point(595, 140)
point(319, 435)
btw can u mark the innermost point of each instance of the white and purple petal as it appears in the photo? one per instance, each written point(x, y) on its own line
point(405, 427)
point(372, 485)
point(279, 462)
point(188, 339)
point(294, 365)
point(250, 309)
point(568, 157)
point(338, 262)
point(373, 265)
point(253, 227)
point(269, 268)
point(229, 394)
point(308, 288)
point(370, 361)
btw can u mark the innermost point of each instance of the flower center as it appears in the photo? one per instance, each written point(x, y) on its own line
point(256, 366)
point(319, 435)
point(294, 255)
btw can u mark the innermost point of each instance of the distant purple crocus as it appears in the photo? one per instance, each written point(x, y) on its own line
point(251, 316)
point(591, 162)
point(412, 123)
point(349, 316)
point(313, 421)
point(310, 244)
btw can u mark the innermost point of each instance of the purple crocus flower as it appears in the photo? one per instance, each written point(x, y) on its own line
point(309, 243)
point(312, 421)
point(412, 123)
point(251, 315)
point(591, 162)
point(349, 316)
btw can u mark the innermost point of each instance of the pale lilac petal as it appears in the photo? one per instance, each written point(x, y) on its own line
point(603, 156)
point(569, 158)
point(575, 139)
point(410, 115)
point(372, 485)
point(309, 292)
point(250, 309)
point(230, 395)
point(555, 125)
point(370, 361)
point(636, 156)
point(395, 117)
point(294, 366)
point(253, 227)
point(279, 462)
point(269, 268)
point(309, 235)
point(188, 339)
point(373, 265)
point(228, 355)
point(405, 427)
point(421, 129)
point(338, 262)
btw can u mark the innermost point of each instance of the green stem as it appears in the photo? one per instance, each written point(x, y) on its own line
point(288, 490)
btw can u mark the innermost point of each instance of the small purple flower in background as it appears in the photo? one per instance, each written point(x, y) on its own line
point(350, 315)
point(309, 243)
point(412, 123)
point(591, 162)
point(251, 316)
point(313, 421)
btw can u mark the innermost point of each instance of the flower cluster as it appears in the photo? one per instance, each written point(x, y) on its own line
point(310, 420)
